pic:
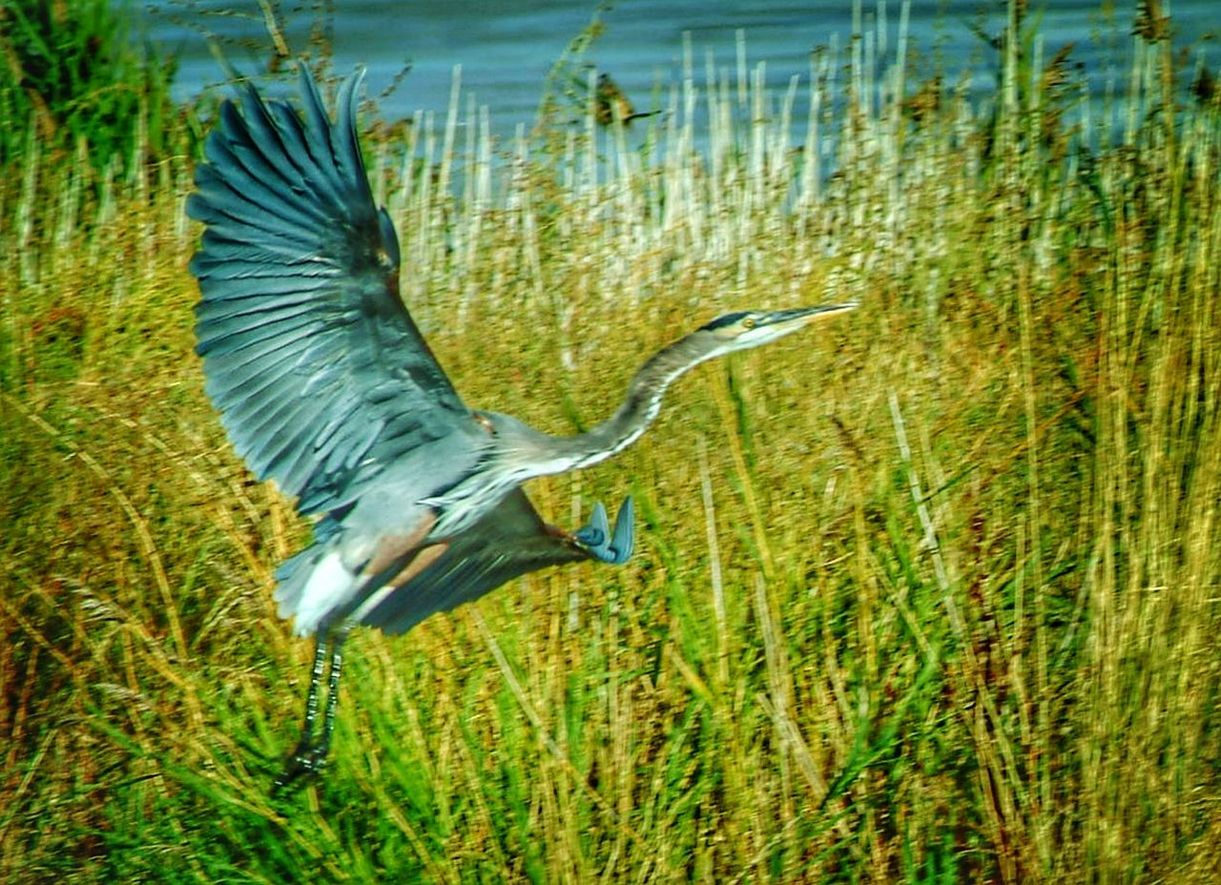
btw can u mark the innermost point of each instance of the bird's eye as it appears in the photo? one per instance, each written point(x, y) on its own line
point(748, 323)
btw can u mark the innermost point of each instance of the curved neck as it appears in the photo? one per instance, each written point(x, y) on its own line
point(639, 408)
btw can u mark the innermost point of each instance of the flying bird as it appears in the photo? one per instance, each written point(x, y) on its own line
point(326, 386)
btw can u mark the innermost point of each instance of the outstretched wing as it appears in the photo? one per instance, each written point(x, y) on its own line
point(510, 540)
point(319, 373)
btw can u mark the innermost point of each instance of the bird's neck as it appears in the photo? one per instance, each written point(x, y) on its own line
point(639, 408)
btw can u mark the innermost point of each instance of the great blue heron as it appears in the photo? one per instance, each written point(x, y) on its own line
point(325, 385)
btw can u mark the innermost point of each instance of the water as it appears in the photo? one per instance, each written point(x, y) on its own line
point(505, 49)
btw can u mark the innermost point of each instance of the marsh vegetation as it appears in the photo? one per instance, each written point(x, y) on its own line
point(929, 593)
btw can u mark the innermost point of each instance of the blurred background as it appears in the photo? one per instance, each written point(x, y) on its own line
point(506, 49)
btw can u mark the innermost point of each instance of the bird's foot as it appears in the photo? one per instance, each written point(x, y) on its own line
point(595, 532)
point(596, 537)
point(306, 762)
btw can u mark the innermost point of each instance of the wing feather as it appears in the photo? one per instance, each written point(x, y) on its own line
point(254, 181)
point(321, 376)
point(259, 341)
point(509, 541)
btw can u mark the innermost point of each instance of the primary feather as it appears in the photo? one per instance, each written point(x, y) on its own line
point(320, 375)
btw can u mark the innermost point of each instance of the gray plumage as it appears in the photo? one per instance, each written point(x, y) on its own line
point(326, 386)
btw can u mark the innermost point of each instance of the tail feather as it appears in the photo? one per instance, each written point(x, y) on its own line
point(311, 585)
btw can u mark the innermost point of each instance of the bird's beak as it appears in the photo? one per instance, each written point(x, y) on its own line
point(786, 321)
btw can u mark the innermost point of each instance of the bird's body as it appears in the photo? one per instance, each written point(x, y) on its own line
point(325, 385)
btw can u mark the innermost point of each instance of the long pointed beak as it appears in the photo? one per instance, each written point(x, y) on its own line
point(786, 321)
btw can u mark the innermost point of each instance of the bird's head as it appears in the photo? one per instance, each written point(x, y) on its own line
point(751, 328)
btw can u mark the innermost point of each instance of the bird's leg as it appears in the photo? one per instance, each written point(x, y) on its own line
point(311, 697)
point(309, 757)
point(332, 698)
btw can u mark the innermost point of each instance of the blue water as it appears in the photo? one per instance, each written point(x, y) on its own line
point(505, 49)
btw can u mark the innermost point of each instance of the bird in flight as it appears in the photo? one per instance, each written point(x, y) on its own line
point(326, 386)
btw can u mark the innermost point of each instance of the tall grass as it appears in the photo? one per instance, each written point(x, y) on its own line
point(929, 594)
point(74, 77)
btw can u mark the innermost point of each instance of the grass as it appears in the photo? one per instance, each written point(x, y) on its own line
point(74, 76)
point(928, 594)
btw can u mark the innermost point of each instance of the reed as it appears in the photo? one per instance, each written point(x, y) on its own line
point(929, 594)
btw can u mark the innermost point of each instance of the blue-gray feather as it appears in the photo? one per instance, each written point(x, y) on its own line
point(326, 385)
point(507, 542)
point(321, 377)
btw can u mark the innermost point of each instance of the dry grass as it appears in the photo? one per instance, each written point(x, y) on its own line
point(930, 593)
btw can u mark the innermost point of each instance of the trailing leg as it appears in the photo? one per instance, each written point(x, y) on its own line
point(309, 757)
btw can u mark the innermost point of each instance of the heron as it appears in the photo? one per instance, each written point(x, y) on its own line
point(326, 386)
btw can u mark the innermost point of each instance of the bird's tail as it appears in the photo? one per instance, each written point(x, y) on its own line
point(311, 585)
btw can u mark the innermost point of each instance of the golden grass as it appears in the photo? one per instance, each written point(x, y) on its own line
point(928, 593)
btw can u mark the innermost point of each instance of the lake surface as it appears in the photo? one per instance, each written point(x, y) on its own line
point(505, 49)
